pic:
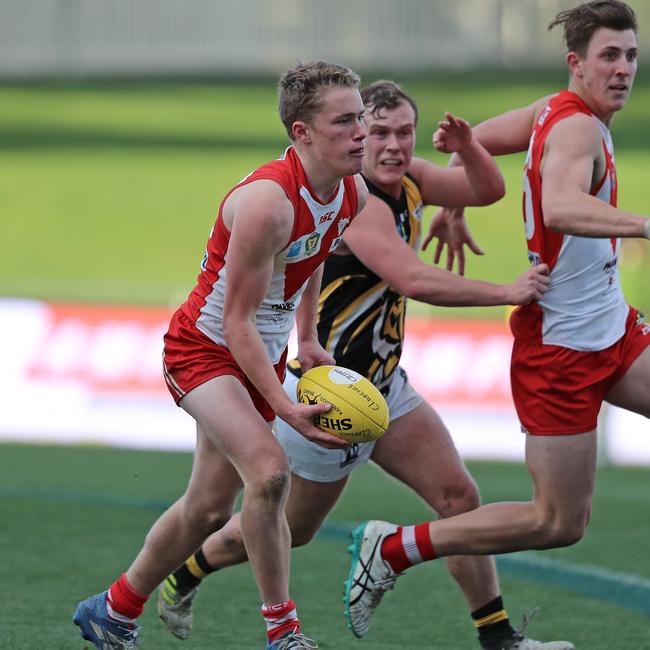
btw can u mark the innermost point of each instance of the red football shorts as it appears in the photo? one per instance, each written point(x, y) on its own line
point(190, 359)
point(558, 391)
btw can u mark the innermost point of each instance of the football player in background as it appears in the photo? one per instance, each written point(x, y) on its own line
point(580, 343)
point(361, 314)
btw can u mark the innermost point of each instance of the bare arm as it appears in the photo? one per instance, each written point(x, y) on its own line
point(310, 351)
point(373, 239)
point(571, 152)
point(504, 134)
point(477, 182)
point(509, 132)
point(262, 219)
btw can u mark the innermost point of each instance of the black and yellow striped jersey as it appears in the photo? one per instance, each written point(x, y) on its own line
point(361, 318)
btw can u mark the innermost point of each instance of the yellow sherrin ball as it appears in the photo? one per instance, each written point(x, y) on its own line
point(359, 411)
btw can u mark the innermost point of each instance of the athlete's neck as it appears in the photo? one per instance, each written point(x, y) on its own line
point(392, 189)
point(578, 89)
point(323, 181)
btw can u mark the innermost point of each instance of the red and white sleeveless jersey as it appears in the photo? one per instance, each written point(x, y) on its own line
point(584, 308)
point(317, 230)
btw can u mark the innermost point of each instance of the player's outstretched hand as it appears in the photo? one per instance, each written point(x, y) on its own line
point(449, 227)
point(453, 134)
point(530, 285)
point(301, 418)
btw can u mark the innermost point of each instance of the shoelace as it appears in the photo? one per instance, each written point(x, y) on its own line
point(131, 639)
point(382, 586)
point(183, 601)
point(296, 641)
point(519, 632)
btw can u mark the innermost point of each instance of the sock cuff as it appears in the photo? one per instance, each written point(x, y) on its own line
point(494, 606)
point(491, 619)
point(124, 599)
point(279, 610)
point(131, 590)
point(198, 566)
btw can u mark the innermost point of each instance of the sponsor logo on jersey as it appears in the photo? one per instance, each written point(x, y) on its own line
point(534, 258)
point(335, 243)
point(303, 247)
point(284, 306)
point(611, 264)
point(311, 243)
point(328, 216)
point(294, 249)
point(342, 225)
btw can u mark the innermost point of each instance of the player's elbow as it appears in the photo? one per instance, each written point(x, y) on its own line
point(555, 214)
point(494, 192)
point(232, 326)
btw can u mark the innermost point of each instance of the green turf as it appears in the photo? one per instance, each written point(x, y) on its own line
point(108, 192)
point(73, 518)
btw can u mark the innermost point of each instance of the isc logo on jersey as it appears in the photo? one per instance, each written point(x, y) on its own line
point(359, 411)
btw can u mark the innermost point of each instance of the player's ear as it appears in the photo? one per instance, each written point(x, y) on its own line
point(575, 64)
point(301, 132)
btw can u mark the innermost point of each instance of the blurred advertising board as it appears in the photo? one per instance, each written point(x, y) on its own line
point(92, 374)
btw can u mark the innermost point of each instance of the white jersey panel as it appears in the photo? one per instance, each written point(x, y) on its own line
point(275, 317)
point(584, 308)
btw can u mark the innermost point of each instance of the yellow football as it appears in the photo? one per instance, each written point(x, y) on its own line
point(359, 411)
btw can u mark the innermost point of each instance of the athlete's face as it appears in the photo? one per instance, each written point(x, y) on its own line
point(337, 132)
point(389, 147)
point(606, 72)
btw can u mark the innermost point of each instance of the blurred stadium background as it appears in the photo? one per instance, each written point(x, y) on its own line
point(122, 124)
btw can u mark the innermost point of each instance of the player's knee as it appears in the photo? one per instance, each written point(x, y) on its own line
point(271, 485)
point(561, 530)
point(232, 539)
point(204, 518)
point(459, 496)
point(569, 533)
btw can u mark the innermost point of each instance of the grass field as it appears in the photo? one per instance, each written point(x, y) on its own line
point(108, 192)
point(72, 518)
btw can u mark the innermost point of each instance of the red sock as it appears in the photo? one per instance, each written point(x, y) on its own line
point(408, 546)
point(280, 619)
point(124, 600)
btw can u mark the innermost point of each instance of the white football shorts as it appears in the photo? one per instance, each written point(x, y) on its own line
point(315, 463)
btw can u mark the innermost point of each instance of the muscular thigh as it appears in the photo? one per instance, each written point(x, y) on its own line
point(214, 483)
point(230, 424)
point(418, 450)
point(563, 469)
point(632, 391)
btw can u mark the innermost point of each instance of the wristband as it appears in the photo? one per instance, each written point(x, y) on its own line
point(646, 229)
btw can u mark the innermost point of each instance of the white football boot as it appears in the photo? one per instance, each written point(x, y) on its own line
point(521, 642)
point(175, 609)
point(370, 577)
